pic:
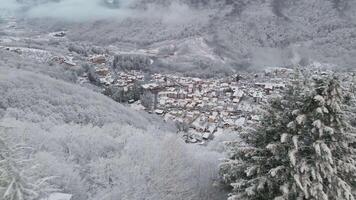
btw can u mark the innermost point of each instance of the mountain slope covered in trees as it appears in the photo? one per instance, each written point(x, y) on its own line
point(241, 33)
point(70, 139)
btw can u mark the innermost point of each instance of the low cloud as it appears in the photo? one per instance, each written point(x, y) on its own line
point(8, 5)
point(77, 10)
point(88, 10)
point(176, 13)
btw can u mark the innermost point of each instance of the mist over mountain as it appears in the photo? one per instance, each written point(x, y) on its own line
point(235, 34)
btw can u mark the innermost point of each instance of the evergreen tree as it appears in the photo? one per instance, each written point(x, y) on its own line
point(300, 151)
point(350, 101)
point(350, 113)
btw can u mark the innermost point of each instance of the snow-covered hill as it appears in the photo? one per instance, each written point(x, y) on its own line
point(93, 147)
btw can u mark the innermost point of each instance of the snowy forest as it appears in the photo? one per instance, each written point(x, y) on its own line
point(177, 100)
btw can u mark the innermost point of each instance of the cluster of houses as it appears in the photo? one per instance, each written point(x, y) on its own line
point(204, 107)
point(207, 106)
point(125, 80)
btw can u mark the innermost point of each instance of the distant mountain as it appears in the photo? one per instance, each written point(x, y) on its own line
point(242, 33)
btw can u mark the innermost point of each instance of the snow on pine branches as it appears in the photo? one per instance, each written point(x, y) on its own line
point(302, 149)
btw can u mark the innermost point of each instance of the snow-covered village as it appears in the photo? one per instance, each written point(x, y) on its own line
point(202, 108)
point(177, 100)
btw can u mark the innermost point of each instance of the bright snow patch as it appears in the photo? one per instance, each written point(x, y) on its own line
point(59, 196)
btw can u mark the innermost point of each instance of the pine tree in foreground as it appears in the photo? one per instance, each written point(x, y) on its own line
point(300, 151)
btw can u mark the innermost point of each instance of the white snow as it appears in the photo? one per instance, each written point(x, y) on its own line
point(59, 196)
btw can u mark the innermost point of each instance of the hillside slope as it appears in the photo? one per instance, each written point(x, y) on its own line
point(95, 148)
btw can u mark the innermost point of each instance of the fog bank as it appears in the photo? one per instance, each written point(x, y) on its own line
point(89, 10)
